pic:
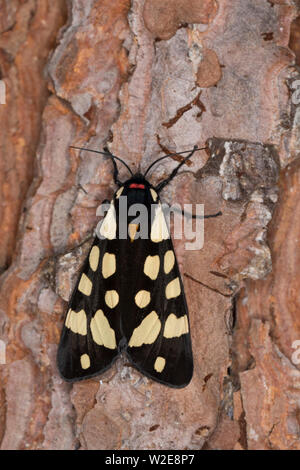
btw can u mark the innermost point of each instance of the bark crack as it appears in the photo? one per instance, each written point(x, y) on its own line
point(195, 102)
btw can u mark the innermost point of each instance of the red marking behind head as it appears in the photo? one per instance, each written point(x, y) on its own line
point(137, 186)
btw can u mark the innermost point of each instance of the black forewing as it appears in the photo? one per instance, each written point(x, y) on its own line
point(176, 351)
point(74, 345)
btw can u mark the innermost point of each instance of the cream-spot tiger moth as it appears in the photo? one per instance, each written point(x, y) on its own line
point(129, 297)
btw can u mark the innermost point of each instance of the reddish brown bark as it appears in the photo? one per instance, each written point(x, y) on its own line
point(145, 80)
point(28, 33)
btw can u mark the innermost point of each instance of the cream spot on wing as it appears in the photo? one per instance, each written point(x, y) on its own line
point(159, 364)
point(159, 229)
point(108, 227)
point(142, 298)
point(169, 261)
point(85, 285)
point(94, 257)
point(153, 194)
point(147, 331)
point(85, 361)
point(108, 265)
point(101, 331)
point(175, 326)
point(119, 192)
point(132, 230)
point(151, 266)
point(77, 322)
point(173, 289)
point(111, 298)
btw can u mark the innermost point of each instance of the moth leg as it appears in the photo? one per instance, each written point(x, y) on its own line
point(195, 216)
point(166, 210)
point(208, 287)
point(164, 183)
point(208, 216)
point(116, 171)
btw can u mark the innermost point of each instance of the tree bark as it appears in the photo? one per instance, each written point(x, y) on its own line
point(146, 78)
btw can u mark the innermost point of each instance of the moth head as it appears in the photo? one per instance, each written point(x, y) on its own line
point(137, 190)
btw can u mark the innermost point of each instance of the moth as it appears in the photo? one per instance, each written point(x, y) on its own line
point(129, 297)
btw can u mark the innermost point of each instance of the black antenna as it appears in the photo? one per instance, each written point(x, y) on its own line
point(171, 155)
point(107, 153)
